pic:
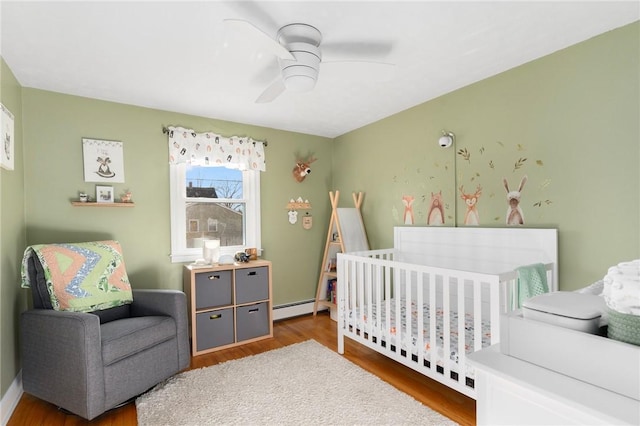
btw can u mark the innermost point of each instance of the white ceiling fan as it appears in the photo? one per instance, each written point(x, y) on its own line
point(297, 48)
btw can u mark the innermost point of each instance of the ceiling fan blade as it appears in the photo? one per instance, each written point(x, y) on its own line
point(362, 70)
point(356, 49)
point(256, 36)
point(274, 90)
point(265, 74)
point(255, 11)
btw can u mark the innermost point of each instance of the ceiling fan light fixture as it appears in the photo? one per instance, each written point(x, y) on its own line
point(299, 83)
point(299, 78)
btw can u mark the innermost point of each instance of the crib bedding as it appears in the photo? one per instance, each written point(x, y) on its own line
point(376, 325)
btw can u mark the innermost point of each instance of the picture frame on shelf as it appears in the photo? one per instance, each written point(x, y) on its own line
point(104, 194)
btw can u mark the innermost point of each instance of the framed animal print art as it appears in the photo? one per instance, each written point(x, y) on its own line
point(103, 161)
point(6, 133)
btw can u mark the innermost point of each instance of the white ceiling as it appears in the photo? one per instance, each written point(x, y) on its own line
point(170, 55)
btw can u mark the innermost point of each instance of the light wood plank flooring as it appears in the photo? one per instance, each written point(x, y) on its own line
point(461, 409)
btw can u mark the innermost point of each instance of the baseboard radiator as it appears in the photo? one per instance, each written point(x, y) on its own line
point(289, 310)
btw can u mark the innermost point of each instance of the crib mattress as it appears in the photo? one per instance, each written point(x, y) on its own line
point(375, 325)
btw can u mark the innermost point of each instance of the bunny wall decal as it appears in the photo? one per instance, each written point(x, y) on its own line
point(515, 216)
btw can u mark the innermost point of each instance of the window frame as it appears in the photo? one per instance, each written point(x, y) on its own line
point(178, 203)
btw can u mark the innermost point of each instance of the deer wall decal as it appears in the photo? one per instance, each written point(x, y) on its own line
point(471, 217)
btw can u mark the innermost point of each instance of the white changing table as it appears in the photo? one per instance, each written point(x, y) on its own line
point(515, 392)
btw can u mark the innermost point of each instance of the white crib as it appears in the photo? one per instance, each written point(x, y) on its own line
point(394, 300)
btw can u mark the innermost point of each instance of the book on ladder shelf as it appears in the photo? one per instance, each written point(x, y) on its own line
point(346, 234)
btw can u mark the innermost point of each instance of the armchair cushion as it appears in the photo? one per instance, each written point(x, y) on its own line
point(79, 277)
point(124, 338)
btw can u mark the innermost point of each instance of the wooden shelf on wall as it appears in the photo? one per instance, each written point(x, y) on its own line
point(298, 206)
point(94, 204)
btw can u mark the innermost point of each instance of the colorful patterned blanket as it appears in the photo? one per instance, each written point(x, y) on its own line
point(82, 277)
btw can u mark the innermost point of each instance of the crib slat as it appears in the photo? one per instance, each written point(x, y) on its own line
point(379, 288)
point(388, 294)
point(367, 285)
point(420, 319)
point(446, 323)
point(477, 316)
point(342, 298)
point(462, 336)
point(353, 286)
point(494, 294)
point(360, 295)
point(397, 328)
point(406, 331)
point(433, 320)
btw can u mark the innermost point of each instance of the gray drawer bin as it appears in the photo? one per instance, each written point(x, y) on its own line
point(213, 289)
point(252, 321)
point(215, 328)
point(252, 284)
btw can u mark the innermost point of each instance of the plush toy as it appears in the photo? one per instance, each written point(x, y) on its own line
point(302, 168)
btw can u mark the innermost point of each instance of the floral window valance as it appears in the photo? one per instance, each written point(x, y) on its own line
point(187, 146)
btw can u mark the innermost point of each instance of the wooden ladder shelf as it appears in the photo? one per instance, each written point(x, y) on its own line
point(346, 234)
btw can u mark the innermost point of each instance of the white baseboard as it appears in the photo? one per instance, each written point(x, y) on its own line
point(10, 399)
point(294, 310)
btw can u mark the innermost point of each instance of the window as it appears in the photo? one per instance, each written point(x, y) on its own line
point(213, 203)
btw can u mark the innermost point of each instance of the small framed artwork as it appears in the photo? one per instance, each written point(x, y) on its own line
point(104, 194)
point(6, 133)
point(103, 160)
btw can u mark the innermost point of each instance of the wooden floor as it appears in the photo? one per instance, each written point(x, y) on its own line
point(459, 408)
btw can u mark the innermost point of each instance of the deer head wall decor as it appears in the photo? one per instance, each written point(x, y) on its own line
point(302, 168)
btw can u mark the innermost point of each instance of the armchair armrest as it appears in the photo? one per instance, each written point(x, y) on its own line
point(171, 303)
point(62, 359)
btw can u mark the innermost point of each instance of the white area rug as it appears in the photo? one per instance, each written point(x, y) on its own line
point(305, 383)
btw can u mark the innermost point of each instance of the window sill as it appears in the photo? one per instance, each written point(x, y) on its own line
point(192, 257)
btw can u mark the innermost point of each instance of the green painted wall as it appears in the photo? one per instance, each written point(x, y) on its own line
point(54, 127)
point(568, 121)
point(12, 236)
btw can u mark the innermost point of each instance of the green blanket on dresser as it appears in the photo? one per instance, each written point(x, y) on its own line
point(82, 277)
point(532, 281)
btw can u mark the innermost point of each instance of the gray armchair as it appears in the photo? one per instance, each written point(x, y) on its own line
point(88, 363)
